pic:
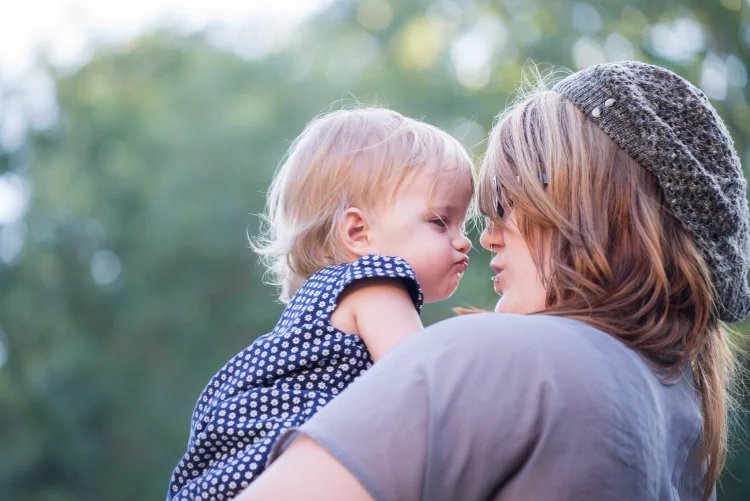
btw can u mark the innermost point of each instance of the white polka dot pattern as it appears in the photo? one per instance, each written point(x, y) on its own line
point(277, 383)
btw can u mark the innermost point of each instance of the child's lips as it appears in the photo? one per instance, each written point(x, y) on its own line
point(463, 265)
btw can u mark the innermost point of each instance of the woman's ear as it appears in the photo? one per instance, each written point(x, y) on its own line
point(354, 232)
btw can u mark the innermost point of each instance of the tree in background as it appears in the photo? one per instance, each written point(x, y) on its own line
point(134, 282)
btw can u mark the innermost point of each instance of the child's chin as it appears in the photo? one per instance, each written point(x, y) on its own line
point(438, 297)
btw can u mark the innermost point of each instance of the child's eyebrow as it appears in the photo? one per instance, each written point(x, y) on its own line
point(446, 208)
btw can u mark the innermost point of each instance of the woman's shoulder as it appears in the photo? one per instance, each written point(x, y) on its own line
point(571, 368)
point(540, 346)
point(507, 330)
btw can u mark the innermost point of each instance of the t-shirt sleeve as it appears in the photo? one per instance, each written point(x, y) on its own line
point(377, 266)
point(483, 404)
point(448, 414)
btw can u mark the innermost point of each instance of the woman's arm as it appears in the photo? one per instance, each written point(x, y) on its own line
point(305, 471)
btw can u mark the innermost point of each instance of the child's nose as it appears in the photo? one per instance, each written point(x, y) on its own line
point(462, 244)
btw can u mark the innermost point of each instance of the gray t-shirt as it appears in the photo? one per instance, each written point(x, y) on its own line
point(498, 406)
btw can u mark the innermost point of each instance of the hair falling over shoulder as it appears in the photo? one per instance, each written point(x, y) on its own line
point(614, 256)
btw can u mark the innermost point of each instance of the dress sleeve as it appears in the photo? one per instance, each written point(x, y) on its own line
point(377, 266)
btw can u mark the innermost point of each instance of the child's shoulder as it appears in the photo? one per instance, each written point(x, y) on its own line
point(323, 289)
point(368, 265)
point(380, 266)
point(330, 282)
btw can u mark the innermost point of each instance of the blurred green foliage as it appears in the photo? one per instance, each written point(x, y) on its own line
point(134, 283)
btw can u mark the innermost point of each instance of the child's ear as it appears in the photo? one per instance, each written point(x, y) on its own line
point(354, 232)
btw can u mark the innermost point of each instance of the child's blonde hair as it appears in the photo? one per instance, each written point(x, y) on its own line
point(347, 158)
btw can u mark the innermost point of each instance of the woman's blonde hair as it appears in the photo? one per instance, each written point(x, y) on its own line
point(347, 158)
point(613, 255)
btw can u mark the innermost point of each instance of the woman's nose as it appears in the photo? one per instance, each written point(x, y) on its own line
point(491, 238)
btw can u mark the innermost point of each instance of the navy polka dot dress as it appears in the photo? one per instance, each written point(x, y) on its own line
point(277, 383)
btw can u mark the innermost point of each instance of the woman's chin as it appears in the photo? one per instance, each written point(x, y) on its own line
point(506, 305)
point(502, 305)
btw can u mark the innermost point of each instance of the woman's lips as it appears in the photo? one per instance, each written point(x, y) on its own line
point(496, 278)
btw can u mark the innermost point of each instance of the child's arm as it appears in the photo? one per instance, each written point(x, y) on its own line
point(378, 310)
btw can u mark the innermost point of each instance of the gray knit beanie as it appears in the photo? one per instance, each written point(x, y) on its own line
point(668, 126)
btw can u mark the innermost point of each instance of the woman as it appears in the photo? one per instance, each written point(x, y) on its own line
point(617, 211)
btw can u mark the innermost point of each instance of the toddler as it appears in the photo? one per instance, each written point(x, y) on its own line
point(364, 223)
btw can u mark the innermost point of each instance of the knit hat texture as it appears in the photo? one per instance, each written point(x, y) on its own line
point(668, 126)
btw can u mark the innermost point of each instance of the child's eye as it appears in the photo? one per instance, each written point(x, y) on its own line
point(439, 222)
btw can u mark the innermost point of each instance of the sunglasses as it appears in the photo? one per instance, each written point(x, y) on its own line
point(496, 190)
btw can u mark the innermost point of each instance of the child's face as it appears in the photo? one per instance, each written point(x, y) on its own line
point(423, 225)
